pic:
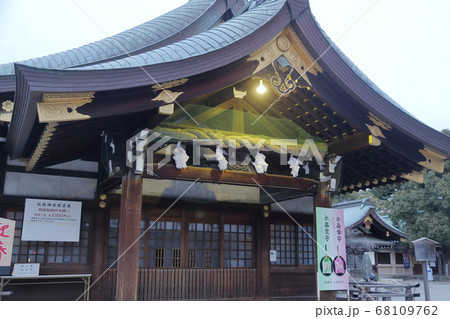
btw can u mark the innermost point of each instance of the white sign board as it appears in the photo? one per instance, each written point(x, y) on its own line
point(273, 256)
point(372, 257)
point(51, 220)
point(7, 227)
point(26, 270)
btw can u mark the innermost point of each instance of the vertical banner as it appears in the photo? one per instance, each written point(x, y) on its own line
point(406, 263)
point(7, 228)
point(331, 253)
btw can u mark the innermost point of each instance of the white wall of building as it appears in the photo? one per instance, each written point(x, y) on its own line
point(53, 186)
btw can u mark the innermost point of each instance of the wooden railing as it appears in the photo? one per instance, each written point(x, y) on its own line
point(189, 284)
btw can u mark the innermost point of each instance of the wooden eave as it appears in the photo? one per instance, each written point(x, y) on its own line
point(7, 84)
point(359, 97)
point(70, 139)
point(380, 225)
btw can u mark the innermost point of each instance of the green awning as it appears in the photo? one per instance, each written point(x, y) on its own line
point(238, 126)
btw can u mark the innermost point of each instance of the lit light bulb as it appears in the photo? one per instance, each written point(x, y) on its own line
point(261, 89)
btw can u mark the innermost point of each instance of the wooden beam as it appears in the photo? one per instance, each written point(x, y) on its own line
point(323, 199)
point(129, 232)
point(232, 177)
point(353, 143)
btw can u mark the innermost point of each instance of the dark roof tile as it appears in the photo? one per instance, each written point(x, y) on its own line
point(211, 40)
point(189, 46)
point(226, 33)
point(135, 39)
point(181, 51)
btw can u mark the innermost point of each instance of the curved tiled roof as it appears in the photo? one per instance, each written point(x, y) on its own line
point(207, 41)
point(356, 211)
point(211, 49)
point(143, 37)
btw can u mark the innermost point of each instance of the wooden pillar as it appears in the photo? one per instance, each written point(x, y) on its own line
point(426, 284)
point(323, 199)
point(184, 263)
point(99, 255)
point(129, 232)
point(263, 248)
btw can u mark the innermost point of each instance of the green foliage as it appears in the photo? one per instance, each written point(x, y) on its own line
point(420, 210)
point(385, 192)
point(423, 210)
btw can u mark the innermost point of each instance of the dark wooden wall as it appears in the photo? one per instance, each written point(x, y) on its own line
point(288, 283)
point(189, 284)
point(262, 282)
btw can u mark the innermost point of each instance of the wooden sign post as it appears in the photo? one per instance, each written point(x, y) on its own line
point(425, 251)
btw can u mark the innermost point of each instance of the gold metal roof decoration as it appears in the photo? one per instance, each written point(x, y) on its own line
point(286, 44)
point(434, 160)
point(375, 131)
point(283, 43)
point(368, 222)
point(380, 125)
point(379, 122)
point(239, 94)
point(62, 107)
point(282, 80)
point(8, 105)
point(43, 142)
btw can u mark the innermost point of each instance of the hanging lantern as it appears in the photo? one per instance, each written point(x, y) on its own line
point(261, 89)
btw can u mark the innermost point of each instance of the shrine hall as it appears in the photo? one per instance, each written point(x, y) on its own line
point(180, 141)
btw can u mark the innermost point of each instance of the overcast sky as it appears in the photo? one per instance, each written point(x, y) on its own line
point(401, 45)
